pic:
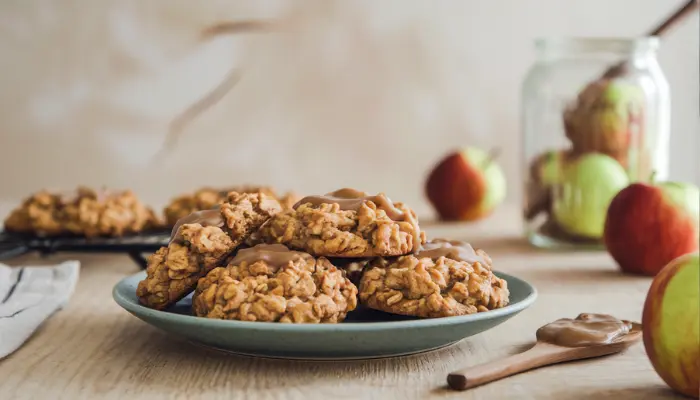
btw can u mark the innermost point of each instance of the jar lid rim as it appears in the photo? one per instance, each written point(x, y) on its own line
point(614, 44)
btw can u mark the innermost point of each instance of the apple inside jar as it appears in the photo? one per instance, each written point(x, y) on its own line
point(568, 191)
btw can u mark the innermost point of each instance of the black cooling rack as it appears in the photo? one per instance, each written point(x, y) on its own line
point(13, 245)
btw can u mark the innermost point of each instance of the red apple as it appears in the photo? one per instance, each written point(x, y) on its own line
point(671, 324)
point(647, 226)
point(466, 185)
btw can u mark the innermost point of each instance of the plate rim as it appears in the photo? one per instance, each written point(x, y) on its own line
point(330, 358)
point(191, 320)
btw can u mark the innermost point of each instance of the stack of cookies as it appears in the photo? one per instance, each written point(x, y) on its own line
point(250, 259)
point(102, 212)
point(84, 212)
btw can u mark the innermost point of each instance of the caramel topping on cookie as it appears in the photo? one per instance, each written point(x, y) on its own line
point(276, 255)
point(210, 217)
point(346, 199)
point(348, 193)
point(452, 249)
point(351, 200)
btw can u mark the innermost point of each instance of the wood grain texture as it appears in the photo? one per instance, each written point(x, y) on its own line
point(94, 349)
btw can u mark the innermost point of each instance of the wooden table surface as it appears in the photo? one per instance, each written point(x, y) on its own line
point(94, 349)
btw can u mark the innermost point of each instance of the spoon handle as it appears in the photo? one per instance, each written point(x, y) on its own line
point(674, 18)
point(537, 356)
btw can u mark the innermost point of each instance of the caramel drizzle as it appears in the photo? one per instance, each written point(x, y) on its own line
point(275, 255)
point(211, 217)
point(452, 249)
point(351, 200)
point(585, 330)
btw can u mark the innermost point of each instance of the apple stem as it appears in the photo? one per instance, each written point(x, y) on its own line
point(652, 178)
point(493, 155)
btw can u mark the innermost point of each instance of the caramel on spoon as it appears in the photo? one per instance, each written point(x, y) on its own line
point(587, 336)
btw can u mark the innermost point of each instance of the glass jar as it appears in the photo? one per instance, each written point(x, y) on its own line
point(595, 117)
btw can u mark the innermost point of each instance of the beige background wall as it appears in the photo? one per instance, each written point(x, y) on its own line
point(365, 94)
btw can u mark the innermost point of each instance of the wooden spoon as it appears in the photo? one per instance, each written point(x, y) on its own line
point(540, 355)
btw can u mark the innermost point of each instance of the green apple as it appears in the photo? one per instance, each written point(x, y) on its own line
point(586, 189)
point(552, 165)
point(546, 169)
point(671, 324)
point(621, 94)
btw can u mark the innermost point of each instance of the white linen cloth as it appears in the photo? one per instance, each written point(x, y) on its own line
point(28, 296)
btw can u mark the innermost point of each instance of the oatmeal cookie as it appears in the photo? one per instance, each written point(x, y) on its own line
point(270, 283)
point(245, 213)
point(84, 212)
point(445, 278)
point(38, 214)
point(173, 270)
point(106, 213)
point(346, 223)
point(207, 198)
point(200, 242)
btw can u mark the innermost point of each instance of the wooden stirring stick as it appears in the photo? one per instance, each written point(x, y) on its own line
point(672, 20)
point(540, 355)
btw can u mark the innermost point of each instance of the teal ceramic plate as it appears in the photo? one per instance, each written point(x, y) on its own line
point(364, 334)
